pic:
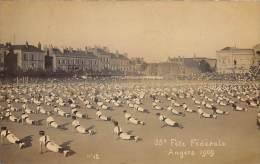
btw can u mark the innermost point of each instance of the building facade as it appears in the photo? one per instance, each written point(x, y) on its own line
point(71, 60)
point(189, 66)
point(137, 66)
point(29, 57)
point(3, 52)
point(120, 63)
point(91, 60)
point(234, 60)
point(256, 50)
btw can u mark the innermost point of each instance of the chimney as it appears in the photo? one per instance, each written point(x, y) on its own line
point(26, 44)
point(8, 44)
point(39, 46)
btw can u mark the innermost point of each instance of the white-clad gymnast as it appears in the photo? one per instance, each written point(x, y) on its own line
point(61, 112)
point(11, 117)
point(51, 122)
point(102, 117)
point(196, 101)
point(187, 109)
point(173, 102)
point(168, 121)
point(2, 116)
point(123, 135)
point(157, 107)
point(6, 134)
point(41, 110)
point(12, 108)
point(78, 114)
point(131, 119)
point(86, 102)
point(205, 115)
point(50, 145)
point(79, 128)
point(140, 109)
point(258, 120)
point(238, 108)
point(28, 110)
point(174, 111)
point(221, 103)
point(218, 111)
point(206, 105)
point(25, 119)
point(105, 107)
point(251, 103)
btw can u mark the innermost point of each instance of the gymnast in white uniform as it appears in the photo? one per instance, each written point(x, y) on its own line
point(79, 128)
point(50, 145)
point(173, 102)
point(196, 101)
point(251, 103)
point(187, 109)
point(78, 114)
point(6, 134)
point(61, 112)
point(131, 119)
point(2, 116)
point(26, 119)
point(168, 122)
point(123, 135)
point(238, 108)
point(29, 111)
point(11, 117)
point(102, 117)
point(12, 108)
point(258, 120)
point(140, 109)
point(218, 111)
point(41, 110)
point(205, 115)
point(51, 122)
point(157, 107)
point(174, 111)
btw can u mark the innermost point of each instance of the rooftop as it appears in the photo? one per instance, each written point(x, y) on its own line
point(189, 58)
point(235, 49)
point(79, 54)
point(27, 48)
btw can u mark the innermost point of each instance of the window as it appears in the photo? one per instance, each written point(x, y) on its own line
point(32, 57)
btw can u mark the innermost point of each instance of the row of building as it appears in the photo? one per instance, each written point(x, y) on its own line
point(15, 58)
point(179, 66)
point(93, 60)
point(228, 60)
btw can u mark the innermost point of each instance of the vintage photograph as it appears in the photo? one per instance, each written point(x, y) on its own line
point(130, 81)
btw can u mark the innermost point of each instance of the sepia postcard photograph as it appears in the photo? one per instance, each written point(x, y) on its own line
point(130, 81)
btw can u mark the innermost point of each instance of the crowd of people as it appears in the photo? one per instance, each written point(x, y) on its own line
point(73, 99)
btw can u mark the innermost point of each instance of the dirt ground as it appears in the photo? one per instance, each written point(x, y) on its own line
point(237, 135)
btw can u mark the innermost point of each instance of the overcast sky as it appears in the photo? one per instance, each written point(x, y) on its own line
point(151, 29)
